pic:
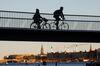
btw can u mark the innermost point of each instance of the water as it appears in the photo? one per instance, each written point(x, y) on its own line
point(48, 64)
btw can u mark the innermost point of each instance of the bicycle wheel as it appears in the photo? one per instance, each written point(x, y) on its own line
point(64, 26)
point(33, 26)
point(53, 26)
point(46, 26)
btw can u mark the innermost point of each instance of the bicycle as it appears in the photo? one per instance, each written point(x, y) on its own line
point(62, 25)
point(44, 24)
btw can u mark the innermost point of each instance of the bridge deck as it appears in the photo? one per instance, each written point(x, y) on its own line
point(49, 35)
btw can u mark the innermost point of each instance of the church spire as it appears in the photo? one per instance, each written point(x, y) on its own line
point(42, 50)
point(90, 47)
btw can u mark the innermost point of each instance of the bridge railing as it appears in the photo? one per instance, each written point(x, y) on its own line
point(17, 19)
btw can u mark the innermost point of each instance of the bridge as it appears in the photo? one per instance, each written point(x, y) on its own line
point(15, 25)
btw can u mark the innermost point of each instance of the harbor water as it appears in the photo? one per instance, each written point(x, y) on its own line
point(47, 64)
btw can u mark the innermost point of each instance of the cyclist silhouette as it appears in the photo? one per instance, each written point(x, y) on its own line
point(37, 18)
point(57, 14)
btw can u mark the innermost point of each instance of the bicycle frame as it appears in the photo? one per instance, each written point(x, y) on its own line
point(62, 25)
point(43, 25)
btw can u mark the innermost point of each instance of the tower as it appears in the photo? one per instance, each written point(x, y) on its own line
point(90, 48)
point(42, 50)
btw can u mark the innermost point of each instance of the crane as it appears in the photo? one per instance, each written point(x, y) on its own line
point(75, 45)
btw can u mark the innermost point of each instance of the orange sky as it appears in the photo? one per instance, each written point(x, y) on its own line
point(22, 47)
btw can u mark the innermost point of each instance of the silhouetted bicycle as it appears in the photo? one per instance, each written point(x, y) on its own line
point(43, 24)
point(62, 25)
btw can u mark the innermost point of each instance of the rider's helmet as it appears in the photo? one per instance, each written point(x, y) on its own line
point(37, 10)
point(61, 8)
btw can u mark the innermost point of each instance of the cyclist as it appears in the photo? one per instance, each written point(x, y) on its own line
point(37, 18)
point(57, 14)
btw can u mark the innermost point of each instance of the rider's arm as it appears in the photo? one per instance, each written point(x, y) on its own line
point(62, 16)
point(40, 16)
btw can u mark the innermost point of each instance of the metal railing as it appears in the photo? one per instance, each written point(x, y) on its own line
point(17, 19)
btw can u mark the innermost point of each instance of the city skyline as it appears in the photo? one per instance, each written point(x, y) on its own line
point(25, 47)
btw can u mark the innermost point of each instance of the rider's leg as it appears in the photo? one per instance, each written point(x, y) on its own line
point(57, 23)
point(39, 27)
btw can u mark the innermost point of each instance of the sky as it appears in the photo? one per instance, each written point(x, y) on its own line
point(83, 7)
point(25, 47)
